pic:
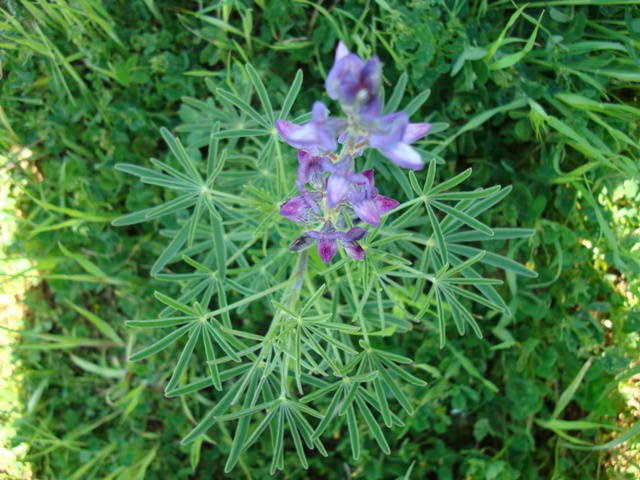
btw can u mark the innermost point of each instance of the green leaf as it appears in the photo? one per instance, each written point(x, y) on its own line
point(173, 206)
point(312, 300)
point(176, 305)
point(247, 411)
point(494, 259)
point(207, 422)
point(292, 94)
point(180, 367)
point(382, 399)
point(435, 225)
point(354, 436)
point(102, 326)
point(452, 182)
point(105, 372)
point(414, 105)
point(152, 177)
point(373, 425)
point(260, 428)
point(161, 344)
point(220, 247)
point(181, 155)
point(297, 441)
point(512, 59)
point(242, 430)
point(395, 390)
point(160, 322)
point(89, 266)
point(194, 453)
point(262, 93)
point(172, 249)
point(463, 217)
point(628, 435)
point(242, 105)
point(393, 103)
point(441, 319)
point(404, 375)
point(568, 394)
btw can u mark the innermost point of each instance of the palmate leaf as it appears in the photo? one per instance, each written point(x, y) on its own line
point(237, 118)
point(435, 196)
point(200, 326)
point(349, 399)
point(195, 191)
point(282, 413)
point(366, 382)
point(446, 246)
point(446, 285)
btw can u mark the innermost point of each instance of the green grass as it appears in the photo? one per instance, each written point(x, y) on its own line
point(542, 98)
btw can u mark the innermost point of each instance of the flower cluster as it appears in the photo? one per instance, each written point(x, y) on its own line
point(331, 191)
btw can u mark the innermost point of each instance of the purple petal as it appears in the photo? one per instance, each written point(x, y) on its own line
point(336, 127)
point(303, 137)
point(327, 129)
point(327, 250)
point(303, 166)
point(313, 136)
point(315, 235)
point(367, 211)
point(354, 250)
point(310, 169)
point(371, 75)
point(295, 209)
point(286, 129)
point(415, 131)
point(319, 112)
point(342, 51)
point(356, 233)
point(369, 176)
point(404, 156)
point(302, 243)
point(337, 188)
point(389, 130)
point(372, 110)
point(385, 204)
point(327, 227)
point(344, 74)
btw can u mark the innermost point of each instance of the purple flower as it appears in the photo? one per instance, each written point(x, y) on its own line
point(350, 242)
point(311, 169)
point(356, 83)
point(302, 208)
point(316, 137)
point(392, 136)
point(302, 243)
point(327, 239)
point(340, 180)
point(368, 204)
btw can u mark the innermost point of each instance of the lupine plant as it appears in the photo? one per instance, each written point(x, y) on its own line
point(293, 343)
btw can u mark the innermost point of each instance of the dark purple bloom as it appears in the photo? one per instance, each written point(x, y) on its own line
point(302, 208)
point(311, 169)
point(340, 180)
point(392, 136)
point(350, 242)
point(368, 204)
point(316, 137)
point(302, 243)
point(326, 238)
point(356, 83)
